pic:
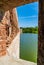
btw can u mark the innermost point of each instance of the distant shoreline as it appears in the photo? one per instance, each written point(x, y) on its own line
point(29, 30)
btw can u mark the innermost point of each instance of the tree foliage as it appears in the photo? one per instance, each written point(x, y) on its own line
point(29, 29)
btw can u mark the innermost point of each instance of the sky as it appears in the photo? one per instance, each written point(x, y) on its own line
point(28, 15)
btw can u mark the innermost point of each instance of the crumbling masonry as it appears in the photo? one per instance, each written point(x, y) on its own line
point(8, 29)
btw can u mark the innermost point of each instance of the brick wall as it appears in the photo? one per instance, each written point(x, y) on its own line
point(2, 40)
point(8, 30)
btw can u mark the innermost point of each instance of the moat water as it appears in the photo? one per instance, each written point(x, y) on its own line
point(29, 46)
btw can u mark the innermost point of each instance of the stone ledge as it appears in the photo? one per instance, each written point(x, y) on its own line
point(8, 60)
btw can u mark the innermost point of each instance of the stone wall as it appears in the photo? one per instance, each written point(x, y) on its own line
point(2, 40)
point(10, 4)
point(14, 49)
point(8, 29)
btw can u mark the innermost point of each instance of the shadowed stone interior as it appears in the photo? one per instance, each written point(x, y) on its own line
point(1, 14)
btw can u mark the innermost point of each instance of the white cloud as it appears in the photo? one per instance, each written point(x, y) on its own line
point(28, 17)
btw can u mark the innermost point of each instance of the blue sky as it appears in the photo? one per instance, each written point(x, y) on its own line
point(28, 15)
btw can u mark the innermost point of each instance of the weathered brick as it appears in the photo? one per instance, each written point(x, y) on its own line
point(2, 47)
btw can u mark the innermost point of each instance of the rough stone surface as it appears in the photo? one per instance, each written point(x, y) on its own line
point(8, 29)
point(2, 48)
point(2, 40)
point(13, 3)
